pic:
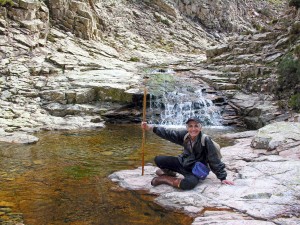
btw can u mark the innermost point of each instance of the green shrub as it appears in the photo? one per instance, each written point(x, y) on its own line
point(275, 2)
point(295, 28)
point(134, 59)
point(295, 3)
point(297, 51)
point(265, 11)
point(274, 21)
point(50, 38)
point(294, 102)
point(166, 22)
point(258, 27)
point(6, 2)
point(289, 73)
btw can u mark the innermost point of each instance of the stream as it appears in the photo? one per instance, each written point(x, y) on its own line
point(63, 178)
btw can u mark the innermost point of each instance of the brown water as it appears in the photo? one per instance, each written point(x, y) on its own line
point(63, 179)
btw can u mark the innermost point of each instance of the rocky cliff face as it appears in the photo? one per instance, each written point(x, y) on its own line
point(64, 63)
point(228, 16)
point(185, 25)
point(250, 65)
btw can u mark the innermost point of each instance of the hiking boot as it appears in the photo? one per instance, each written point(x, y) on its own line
point(167, 172)
point(163, 179)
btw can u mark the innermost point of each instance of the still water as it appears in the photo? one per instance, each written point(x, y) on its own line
point(63, 179)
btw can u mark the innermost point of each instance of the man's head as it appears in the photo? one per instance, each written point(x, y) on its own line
point(196, 119)
point(193, 126)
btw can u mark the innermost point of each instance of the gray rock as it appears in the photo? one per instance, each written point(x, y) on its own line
point(216, 51)
point(276, 134)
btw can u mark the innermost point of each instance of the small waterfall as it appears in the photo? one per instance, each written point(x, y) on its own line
point(174, 108)
point(173, 102)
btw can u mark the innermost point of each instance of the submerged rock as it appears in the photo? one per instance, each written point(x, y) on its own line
point(17, 138)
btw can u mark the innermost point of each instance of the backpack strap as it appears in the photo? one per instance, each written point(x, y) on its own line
point(203, 139)
point(185, 137)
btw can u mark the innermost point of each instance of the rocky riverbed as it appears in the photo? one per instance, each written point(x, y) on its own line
point(73, 64)
point(265, 168)
point(70, 64)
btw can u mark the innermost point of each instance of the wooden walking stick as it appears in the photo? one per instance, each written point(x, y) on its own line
point(144, 120)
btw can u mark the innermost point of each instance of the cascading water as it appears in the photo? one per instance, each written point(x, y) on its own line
point(172, 102)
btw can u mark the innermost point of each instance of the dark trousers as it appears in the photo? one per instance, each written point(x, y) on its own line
point(172, 163)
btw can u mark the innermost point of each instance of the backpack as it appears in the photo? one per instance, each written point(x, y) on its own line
point(217, 146)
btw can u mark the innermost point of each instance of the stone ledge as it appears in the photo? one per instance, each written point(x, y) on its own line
point(266, 189)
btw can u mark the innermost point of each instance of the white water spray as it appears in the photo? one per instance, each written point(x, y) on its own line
point(174, 108)
point(175, 101)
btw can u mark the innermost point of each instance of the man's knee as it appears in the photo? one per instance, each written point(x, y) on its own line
point(187, 184)
point(159, 160)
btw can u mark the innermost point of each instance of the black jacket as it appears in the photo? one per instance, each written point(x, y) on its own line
point(207, 155)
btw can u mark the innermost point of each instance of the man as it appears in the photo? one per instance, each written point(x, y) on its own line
point(193, 152)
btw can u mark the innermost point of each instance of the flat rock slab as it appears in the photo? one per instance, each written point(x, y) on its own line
point(266, 190)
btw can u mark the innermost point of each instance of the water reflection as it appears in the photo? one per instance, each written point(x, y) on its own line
point(63, 179)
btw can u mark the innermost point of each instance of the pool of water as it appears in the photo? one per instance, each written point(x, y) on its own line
point(63, 178)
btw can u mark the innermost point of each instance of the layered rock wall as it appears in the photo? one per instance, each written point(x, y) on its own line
point(229, 16)
point(79, 17)
point(31, 15)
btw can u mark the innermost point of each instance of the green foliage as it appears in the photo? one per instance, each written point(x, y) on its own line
point(51, 38)
point(289, 73)
point(134, 59)
point(294, 102)
point(166, 22)
point(6, 2)
point(259, 27)
point(162, 19)
point(297, 51)
point(274, 21)
point(272, 1)
point(295, 29)
point(275, 2)
point(161, 82)
point(295, 3)
point(265, 11)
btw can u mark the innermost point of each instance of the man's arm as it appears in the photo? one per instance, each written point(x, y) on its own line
point(216, 165)
point(174, 136)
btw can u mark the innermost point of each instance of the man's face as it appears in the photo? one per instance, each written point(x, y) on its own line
point(193, 128)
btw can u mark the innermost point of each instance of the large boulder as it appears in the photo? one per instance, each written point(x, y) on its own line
point(284, 137)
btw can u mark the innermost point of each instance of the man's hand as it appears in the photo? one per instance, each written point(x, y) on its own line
point(145, 126)
point(227, 182)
